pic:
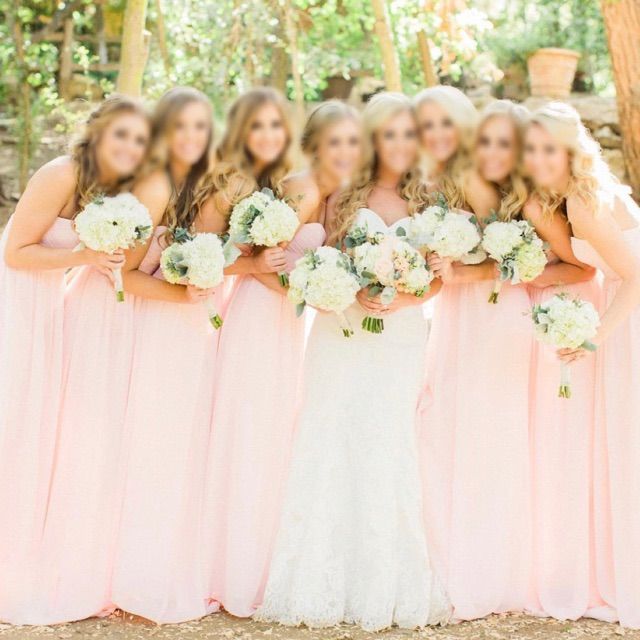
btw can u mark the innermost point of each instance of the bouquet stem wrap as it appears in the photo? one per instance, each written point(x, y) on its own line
point(345, 325)
point(283, 277)
point(212, 312)
point(118, 285)
point(495, 292)
point(565, 381)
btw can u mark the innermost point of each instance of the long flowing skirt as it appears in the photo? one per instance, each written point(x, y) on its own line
point(475, 447)
point(352, 545)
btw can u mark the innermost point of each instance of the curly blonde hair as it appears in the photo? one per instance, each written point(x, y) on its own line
point(412, 188)
point(589, 173)
point(83, 148)
point(231, 178)
point(464, 116)
point(180, 209)
point(515, 192)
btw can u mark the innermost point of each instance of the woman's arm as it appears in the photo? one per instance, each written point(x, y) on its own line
point(49, 192)
point(555, 231)
point(304, 196)
point(154, 192)
point(605, 236)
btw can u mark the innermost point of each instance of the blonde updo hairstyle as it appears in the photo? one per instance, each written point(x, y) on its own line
point(325, 115)
point(464, 116)
point(589, 173)
point(412, 188)
point(180, 210)
point(232, 178)
point(84, 148)
point(515, 192)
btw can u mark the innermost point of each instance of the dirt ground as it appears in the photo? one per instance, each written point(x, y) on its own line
point(225, 627)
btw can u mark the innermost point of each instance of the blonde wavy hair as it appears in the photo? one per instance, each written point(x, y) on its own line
point(464, 116)
point(320, 119)
point(231, 178)
point(589, 173)
point(84, 148)
point(412, 188)
point(180, 209)
point(515, 192)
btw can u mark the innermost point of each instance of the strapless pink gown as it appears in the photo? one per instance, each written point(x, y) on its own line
point(159, 567)
point(617, 451)
point(475, 447)
point(562, 450)
point(31, 338)
point(86, 491)
point(256, 394)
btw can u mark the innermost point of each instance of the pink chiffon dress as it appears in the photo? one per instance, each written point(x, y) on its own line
point(31, 342)
point(159, 567)
point(86, 491)
point(256, 396)
point(617, 449)
point(475, 447)
point(562, 452)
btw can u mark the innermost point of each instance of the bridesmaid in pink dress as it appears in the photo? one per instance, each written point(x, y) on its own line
point(568, 171)
point(561, 439)
point(475, 409)
point(37, 249)
point(96, 363)
point(158, 568)
point(262, 343)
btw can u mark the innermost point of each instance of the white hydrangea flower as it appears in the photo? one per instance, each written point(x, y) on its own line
point(277, 223)
point(200, 262)
point(325, 279)
point(501, 238)
point(566, 323)
point(111, 224)
point(422, 227)
point(455, 237)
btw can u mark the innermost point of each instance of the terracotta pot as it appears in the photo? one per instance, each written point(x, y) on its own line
point(551, 72)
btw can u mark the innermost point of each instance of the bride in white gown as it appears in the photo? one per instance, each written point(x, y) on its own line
point(352, 545)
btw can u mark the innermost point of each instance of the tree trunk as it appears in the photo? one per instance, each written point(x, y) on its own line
point(25, 130)
point(622, 21)
point(428, 72)
point(162, 37)
point(66, 60)
point(133, 52)
point(390, 62)
point(292, 37)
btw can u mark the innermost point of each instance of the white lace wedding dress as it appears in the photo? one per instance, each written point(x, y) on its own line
point(352, 545)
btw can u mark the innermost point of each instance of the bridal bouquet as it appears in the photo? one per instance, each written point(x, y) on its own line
point(566, 323)
point(262, 220)
point(197, 260)
point(110, 224)
point(517, 249)
point(449, 233)
point(387, 264)
point(325, 279)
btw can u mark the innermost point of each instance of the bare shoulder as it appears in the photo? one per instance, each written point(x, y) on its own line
point(302, 186)
point(532, 210)
point(481, 195)
point(59, 174)
point(154, 191)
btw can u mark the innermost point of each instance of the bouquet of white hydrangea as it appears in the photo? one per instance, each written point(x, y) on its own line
point(448, 232)
point(386, 264)
point(110, 224)
point(197, 260)
point(566, 323)
point(263, 220)
point(325, 279)
point(517, 249)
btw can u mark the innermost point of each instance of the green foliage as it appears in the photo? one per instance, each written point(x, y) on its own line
point(523, 27)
